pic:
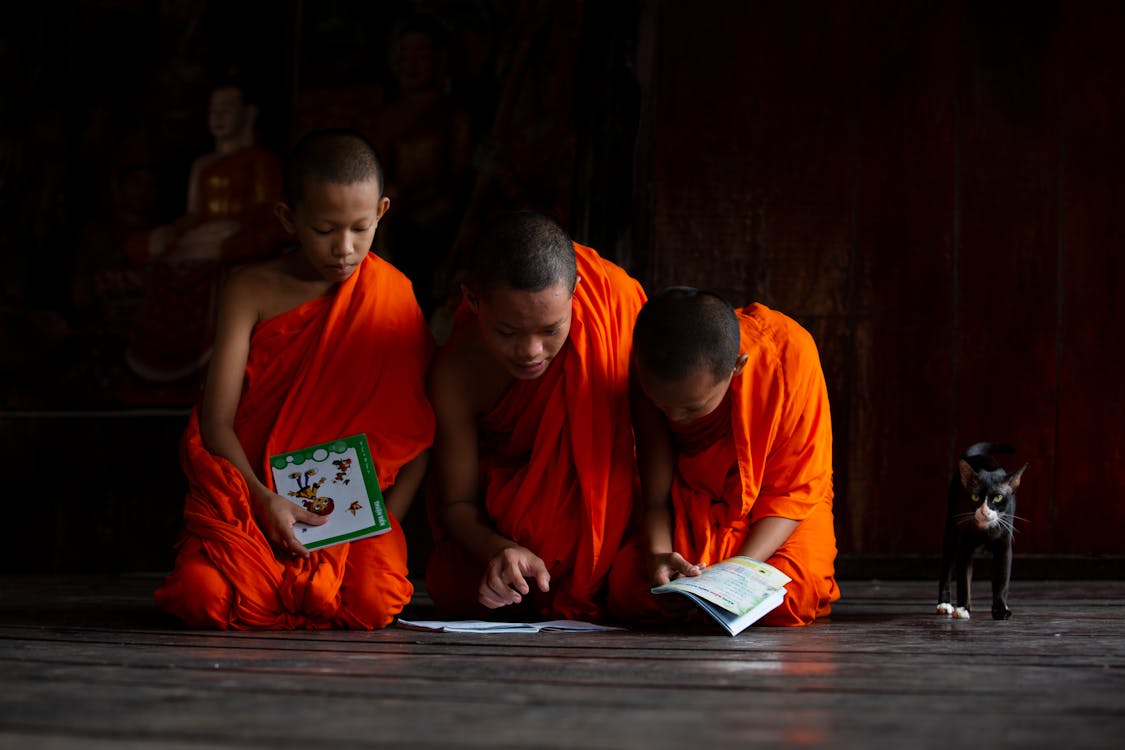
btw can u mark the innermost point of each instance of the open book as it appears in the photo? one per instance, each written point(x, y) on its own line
point(336, 480)
point(484, 626)
point(736, 592)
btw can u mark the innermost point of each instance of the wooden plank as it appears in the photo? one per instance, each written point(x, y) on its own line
point(882, 673)
point(901, 415)
point(1090, 471)
point(1007, 257)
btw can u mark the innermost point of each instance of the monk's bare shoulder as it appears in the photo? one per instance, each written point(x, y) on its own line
point(248, 291)
point(464, 378)
point(272, 287)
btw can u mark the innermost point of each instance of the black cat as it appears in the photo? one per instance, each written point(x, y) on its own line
point(981, 513)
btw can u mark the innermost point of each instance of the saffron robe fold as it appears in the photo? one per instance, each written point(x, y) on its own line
point(557, 466)
point(768, 452)
point(352, 362)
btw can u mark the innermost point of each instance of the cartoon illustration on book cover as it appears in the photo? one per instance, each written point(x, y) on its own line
point(320, 478)
point(306, 492)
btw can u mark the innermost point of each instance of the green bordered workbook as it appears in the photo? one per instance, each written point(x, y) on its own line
point(336, 480)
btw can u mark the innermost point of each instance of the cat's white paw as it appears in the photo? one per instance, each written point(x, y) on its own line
point(961, 614)
point(945, 608)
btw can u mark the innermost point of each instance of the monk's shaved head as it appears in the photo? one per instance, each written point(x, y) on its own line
point(683, 330)
point(340, 157)
point(523, 251)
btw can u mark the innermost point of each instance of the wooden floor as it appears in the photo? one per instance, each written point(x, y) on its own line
point(89, 663)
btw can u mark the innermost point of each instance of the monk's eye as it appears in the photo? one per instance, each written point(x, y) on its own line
point(996, 499)
point(976, 498)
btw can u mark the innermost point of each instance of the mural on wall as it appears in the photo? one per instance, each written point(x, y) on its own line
point(114, 257)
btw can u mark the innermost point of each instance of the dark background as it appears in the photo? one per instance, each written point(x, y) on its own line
point(933, 189)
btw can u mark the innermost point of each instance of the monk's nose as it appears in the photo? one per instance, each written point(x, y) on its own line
point(529, 349)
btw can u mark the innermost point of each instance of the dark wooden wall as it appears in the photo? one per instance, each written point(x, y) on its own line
point(935, 191)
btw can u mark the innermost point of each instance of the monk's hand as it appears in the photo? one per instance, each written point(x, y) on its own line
point(505, 578)
point(276, 516)
point(675, 609)
point(667, 566)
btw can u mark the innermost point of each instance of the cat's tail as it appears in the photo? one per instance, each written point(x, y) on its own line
point(984, 449)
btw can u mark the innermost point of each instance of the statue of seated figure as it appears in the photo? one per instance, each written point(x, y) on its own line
point(232, 193)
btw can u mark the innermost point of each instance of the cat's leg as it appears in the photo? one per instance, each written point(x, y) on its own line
point(964, 581)
point(948, 549)
point(1001, 576)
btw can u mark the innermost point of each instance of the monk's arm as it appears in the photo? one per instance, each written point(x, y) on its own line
point(455, 464)
point(460, 512)
point(798, 472)
point(221, 394)
point(656, 463)
point(401, 494)
point(223, 387)
point(766, 535)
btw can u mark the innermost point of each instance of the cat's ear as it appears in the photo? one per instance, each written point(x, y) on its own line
point(969, 477)
point(1013, 479)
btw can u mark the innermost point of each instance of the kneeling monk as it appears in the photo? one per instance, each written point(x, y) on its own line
point(322, 343)
point(534, 447)
point(740, 461)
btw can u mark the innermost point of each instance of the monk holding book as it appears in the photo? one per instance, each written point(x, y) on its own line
point(534, 449)
point(319, 344)
point(734, 447)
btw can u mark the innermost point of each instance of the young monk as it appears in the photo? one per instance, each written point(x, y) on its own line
point(322, 343)
point(734, 446)
point(533, 453)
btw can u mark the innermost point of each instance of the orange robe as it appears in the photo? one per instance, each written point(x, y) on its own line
point(338, 365)
point(766, 451)
point(557, 463)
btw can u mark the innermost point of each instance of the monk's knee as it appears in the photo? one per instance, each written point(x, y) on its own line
point(806, 598)
point(198, 594)
point(373, 603)
point(375, 586)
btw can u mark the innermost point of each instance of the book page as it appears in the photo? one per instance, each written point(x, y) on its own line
point(486, 626)
point(738, 584)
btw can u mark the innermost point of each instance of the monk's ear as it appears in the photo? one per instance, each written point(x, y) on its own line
point(471, 297)
point(284, 214)
point(739, 364)
point(384, 204)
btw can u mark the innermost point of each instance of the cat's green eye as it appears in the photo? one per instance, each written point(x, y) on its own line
point(997, 498)
point(976, 498)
